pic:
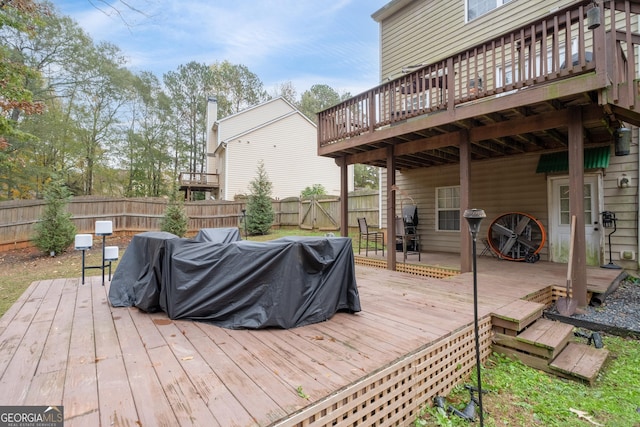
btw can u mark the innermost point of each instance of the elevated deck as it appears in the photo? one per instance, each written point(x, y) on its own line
point(499, 95)
point(63, 344)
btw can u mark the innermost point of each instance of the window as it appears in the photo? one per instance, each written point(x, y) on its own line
point(564, 205)
point(476, 8)
point(448, 208)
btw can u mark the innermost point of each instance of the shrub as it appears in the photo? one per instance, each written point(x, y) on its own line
point(260, 212)
point(55, 231)
point(175, 219)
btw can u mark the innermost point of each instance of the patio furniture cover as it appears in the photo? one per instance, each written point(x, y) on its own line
point(136, 281)
point(218, 235)
point(282, 283)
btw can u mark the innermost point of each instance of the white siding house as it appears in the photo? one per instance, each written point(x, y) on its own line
point(277, 134)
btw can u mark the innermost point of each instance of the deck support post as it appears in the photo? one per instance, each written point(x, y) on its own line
point(576, 204)
point(465, 200)
point(344, 196)
point(391, 209)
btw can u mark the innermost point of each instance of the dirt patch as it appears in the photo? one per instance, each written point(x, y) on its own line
point(33, 256)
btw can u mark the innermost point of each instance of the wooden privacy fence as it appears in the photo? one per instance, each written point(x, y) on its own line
point(130, 216)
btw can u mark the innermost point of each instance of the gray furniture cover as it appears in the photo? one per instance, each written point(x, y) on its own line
point(137, 279)
point(282, 283)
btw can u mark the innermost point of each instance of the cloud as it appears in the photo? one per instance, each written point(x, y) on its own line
point(278, 40)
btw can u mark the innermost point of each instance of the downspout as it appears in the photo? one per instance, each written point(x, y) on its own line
point(380, 197)
point(226, 168)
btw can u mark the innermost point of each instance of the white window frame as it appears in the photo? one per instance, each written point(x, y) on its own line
point(450, 207)
point(498, 3)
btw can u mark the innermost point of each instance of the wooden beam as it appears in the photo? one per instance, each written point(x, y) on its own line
point(411, 147)
point(391, 209)
point(541, 122)
point(344, 197)
point(576, 205)
point(465, 202)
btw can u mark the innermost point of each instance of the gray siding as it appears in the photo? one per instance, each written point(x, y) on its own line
point(498, 186)
point(426, 31)
point(624, 203)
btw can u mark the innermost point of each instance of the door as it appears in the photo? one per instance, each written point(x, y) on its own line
point(560, 219)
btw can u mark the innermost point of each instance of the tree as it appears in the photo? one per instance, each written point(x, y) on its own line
point(188, 89)
point(175, 219)
point(16, 97)
point(105, 91)
point(318, 98)
point(260, 213)
point(56, 50)
point(55, 231)
point(313, 191)
point(237, 88)
point(365, 176)
point(145, 151)
point(287, 91)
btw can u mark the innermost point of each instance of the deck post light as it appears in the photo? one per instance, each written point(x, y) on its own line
point(83, 242)
point(474, 217)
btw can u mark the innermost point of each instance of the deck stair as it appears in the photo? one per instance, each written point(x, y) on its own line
point(520, 332)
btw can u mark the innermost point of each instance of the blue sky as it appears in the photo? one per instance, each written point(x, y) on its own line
point(303, 41)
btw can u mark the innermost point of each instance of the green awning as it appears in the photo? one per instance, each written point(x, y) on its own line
point(594, 158)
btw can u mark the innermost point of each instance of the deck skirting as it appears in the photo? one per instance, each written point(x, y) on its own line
point(394, 394)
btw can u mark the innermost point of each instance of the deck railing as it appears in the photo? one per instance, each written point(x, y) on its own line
point(555, 47)
point(199, 179)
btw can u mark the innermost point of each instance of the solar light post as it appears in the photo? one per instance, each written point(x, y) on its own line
point(474, 217)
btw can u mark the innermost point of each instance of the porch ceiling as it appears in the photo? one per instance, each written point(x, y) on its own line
point(536, 127)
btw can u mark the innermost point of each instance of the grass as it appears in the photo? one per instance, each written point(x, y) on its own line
point(16, 275)
point(522, 396)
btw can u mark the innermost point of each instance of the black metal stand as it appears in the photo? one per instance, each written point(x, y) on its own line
point(476, 330)
point(244, 220)
point(101, 267)
point(609, 219)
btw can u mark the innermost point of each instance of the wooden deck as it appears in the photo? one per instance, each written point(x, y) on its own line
point(62, 343)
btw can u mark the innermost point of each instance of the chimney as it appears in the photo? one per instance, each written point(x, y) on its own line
point(212, 114)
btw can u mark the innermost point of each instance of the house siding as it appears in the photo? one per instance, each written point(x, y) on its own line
point(624, 203)
point(253, 117)
point(415, 34)
point(279, 135)
point(288, 149)
point(498, 186)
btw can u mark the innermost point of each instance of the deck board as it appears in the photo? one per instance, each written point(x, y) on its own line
point(62, 343)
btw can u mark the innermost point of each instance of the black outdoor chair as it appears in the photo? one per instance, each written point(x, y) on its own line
point(377, 236)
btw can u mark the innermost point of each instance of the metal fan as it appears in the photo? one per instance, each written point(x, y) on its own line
point(517, 236)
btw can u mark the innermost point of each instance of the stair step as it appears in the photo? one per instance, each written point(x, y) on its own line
point(581, 361)
point(517, 315)
point(543, 338)
point(546, 338)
